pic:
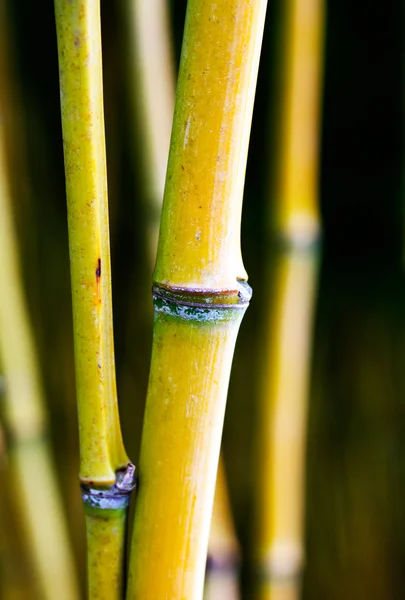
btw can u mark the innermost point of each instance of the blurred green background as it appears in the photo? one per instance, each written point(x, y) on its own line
point(355, 525)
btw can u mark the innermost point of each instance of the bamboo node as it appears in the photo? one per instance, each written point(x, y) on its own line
point(305, 241)
point(114, 497)
point(285, 563)
point(197, 304)
point(238, 297)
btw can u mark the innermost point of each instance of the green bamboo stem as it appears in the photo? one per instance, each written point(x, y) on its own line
point(31, 474)
point(293, 268)
point(106, 475)
point(199, 299)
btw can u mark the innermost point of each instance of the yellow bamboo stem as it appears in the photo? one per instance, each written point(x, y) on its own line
point(152, 82)
point(80, 70)
point(152, 78)
point(296, 190)
point(199, 298)
point(102, 454)
point(221, 578)
point(279, 540)
point(282, 434)
point(16, 576)
point(31, 477)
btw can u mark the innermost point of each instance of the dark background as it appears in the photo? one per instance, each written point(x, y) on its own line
point(356, 443)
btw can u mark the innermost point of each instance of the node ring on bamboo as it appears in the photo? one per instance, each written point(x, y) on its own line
point(201, 304)
point(114, 497)
point(281, 569)
point(302, 241)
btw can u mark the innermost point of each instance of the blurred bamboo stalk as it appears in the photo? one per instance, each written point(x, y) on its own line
point(222, 572)
point(282, 435)
point(152, 78)
point(31, 492)
point(279, 537)
point(106, 476)
point(199, 299)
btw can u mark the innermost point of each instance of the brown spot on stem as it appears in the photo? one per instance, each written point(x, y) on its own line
point(98, 278)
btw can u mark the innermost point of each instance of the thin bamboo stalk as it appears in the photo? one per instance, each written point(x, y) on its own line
point(152, 91)
point(152, 78)
point(221, 577)
point(105, 473)
point(16, 576)
point(31, 476)
point(200, 296)
point(282, 434)
point(279, 550)
point(296, 186)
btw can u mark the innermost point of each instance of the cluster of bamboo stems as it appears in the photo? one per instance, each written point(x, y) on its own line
point(200, 294)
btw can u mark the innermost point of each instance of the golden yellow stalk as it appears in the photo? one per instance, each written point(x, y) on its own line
point(152, 79)
point(199, 298)
point(105, 483)
point(279, 550)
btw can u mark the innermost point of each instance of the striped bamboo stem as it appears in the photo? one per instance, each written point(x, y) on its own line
point(106, 475)
point(279, 539)
point(200, 296)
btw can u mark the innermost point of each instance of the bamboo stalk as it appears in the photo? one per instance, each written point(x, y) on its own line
point(296, 187)
point(16, 574)
point(152, 78)
point(200, 296)
point(152, 92)
point(105, 473)
point(282, 434)
point(34, 524)
point(279, 551)
point(221, 577)
point(31, 477)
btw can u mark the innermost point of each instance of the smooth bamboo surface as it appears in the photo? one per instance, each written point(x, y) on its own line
point(105, 530)
point(198, 301)
point(207, 161)
point(80, 73)
point(188, 385)
point(152, 78)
